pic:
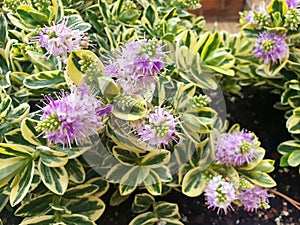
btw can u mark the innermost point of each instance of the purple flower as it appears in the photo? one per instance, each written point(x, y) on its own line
point(71, 118)
point(270, 47)
point(135, 66)
point(292, 3)
point(258, 16)
point(59, 40)
point(234, 149)
point(158, 128)
point(220, 194)
point(254, 198)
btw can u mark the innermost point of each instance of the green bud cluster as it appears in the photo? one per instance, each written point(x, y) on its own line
point(268, 45)
point(129, 5)
point(128, 102)
point(52, 123)
point(245, 184)
point(150, 48)
point(292, 19)
point(261, 19)
point(245, 147)
point(200, 101)
point(14, 4)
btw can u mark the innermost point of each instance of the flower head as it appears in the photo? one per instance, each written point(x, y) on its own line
point(258, 16)
point(254, 198)
point(234, 149)
point(135, 66)
point(158, 128)
point(270, 47)
point(71, 117)
point(220, 194)
point(292, 19)
point(59, 40)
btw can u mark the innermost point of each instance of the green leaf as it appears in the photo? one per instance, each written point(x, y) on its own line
point(35, 206)
point(4, 104)
point(294, 158)
point(42, 62)
point(167, 210)
point(16, 150)
point(153, 183)
point(91, 207)
point(278, 6)
point(81, 191)
point(164, 173)
point(260, 178)
point(288, 147)
point(45, 79)
point(75, 171)
point(18, 113)
point(155, 160)
point(211, 44)
point(3, 28)
point(29, 133)
point(9, 168)
point(54, 178)
point(125, 156)
point(21, 184)
point(142, 202)
point(116, 199)
point(52, 158)
point(259, 154)
point(108, 87)
point(117, 172)
point(147, 218)
point(31, 17)
point(193, 183)
point(76, 219)
point(132, 178)
point(102, 184)
point(41, 220)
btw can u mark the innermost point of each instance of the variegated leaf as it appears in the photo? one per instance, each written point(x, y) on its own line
point(21, 184)
point(54, 178)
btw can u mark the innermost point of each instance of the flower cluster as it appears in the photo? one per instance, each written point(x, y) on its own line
point(258, 16)
point(59, 40)
point(292, 19)
point(159, 127)
point(270, 47)
point(254, 198)
point(71, 118)
point(234, 149)
point(135, 66)
point(220, 194)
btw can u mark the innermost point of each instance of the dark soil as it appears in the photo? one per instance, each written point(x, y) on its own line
point(254, 112)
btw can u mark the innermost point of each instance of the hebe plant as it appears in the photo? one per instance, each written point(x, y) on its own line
point(117, 94)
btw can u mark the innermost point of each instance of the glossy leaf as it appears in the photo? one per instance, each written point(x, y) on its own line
point(35, 206)
point(54, 178)
point(193, 183)
point(142, 202)
point(21, 184)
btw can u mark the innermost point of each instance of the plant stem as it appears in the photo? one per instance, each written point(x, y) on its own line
point(290, 200)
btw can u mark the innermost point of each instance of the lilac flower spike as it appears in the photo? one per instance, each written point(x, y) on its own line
point(158, 128)
point(270, 47)
point(59, 40)
point(135, 66)
point(220, 194)
point(234, 149)
point(71, 118)
point(254, 198)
